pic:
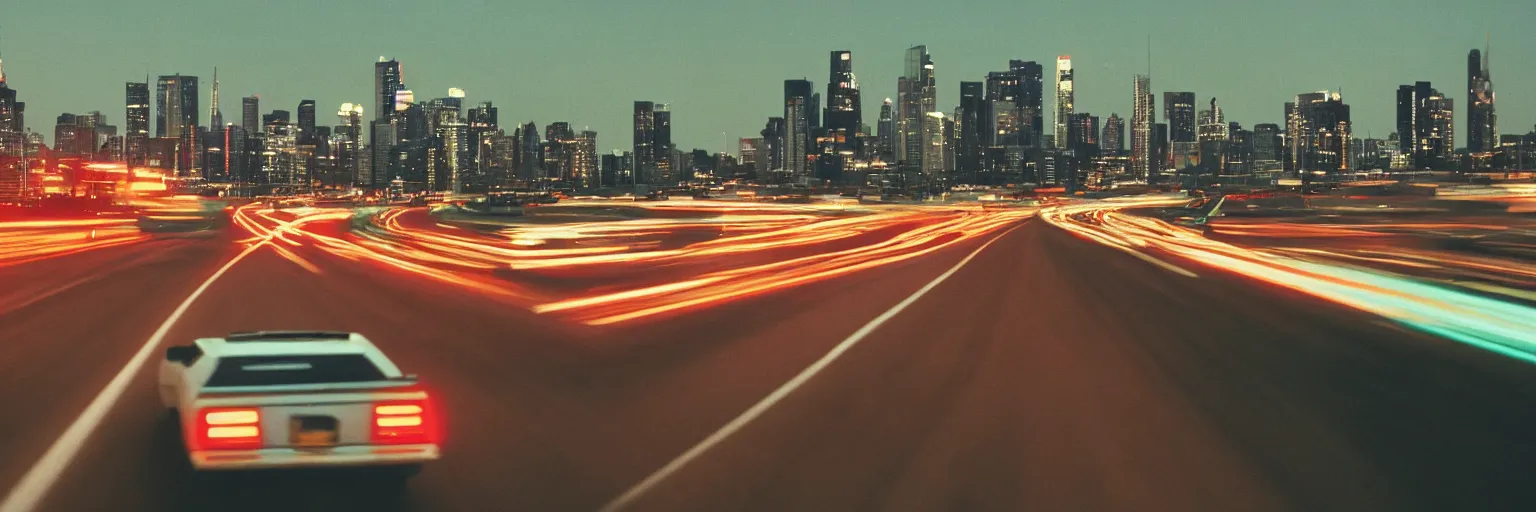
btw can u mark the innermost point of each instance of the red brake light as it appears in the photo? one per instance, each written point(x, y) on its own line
point(403, 422)
point(225, 428)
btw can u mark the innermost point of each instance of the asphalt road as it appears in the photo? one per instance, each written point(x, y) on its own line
point(1048, 373)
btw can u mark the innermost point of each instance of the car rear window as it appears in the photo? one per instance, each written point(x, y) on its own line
point(293, 370)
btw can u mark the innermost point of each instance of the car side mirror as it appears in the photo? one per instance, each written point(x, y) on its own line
point(183, 354)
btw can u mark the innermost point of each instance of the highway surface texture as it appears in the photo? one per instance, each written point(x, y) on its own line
point(996, 361)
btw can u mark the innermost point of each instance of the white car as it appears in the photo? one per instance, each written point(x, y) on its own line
point(290, 399)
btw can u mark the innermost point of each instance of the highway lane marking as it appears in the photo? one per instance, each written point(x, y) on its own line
point(34, 486)
point(639, 489)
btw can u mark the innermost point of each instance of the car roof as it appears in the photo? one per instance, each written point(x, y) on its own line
point(277, 343)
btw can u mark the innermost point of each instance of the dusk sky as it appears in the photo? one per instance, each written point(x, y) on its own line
point(721, 65)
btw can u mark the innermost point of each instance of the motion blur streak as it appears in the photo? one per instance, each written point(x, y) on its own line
point(742, 255)
point(27, 241)
point(1501, 327)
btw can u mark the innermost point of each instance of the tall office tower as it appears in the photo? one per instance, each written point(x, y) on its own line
point(344, 150)
point(250, 114)
point(1266, 143)
point(236, 159)
point(844, 112)
point(215, 114)
point(1239, 156)
point(136, 135)
point(999, 110)
point(1423, 117)
point(1064, 104)
point(661, 145)
point(1179, 111)
point(176, 106)
point(886, 132)
point(1212, 135)
point(797, 126)
point(12, 120)
point(774, 149)
point(1482, 125)
point(644, 164)
point(482, 127)
point(1113, 140)
point(381, 144)
point(1031, 116)
point(65, 134)
point(969, 117)
point(307, 122)
point(387, 81)
point(584, 160)
point(916, 97)
point(1322, 132)
point(1144, 116)
point(559, 142)
point(530, 157)
point(932, 157)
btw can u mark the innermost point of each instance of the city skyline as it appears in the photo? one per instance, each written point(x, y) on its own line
point(706, 101)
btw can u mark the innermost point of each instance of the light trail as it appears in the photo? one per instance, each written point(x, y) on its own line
point(29, 241)
point(743, 254)
point(1490, 324)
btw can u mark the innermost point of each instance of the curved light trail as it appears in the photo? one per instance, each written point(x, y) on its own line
point(1494, 325)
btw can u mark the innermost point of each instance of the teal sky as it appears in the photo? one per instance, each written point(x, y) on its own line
point(722, 64)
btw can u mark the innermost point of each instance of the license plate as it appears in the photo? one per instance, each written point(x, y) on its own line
point(312, 431)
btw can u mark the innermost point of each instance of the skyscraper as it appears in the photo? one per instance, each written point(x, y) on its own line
point(386, 82)
point(1425, 126)
point(916, 97)
point(969, 118)
point(661, 144)
point(772, 154)
point(307, 122)
point(644, 164)
point(932, 157)
point(250, 114)
point(136, 135)
point(1113, 140)
point(1482, 125)
point(844, 112)
point(1064, 103)
point(797, 125)
point(1179, 110)
point(1322, 131)
point(1266, 143)
point(176, 106)
point(886, 131)
point(1213, 134)
point(215, 114)
point(1030, 104)
point(348, 134)
point(584, 171)
point(1144, 116)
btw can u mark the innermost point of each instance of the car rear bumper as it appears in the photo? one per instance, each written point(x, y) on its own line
point(340, 457)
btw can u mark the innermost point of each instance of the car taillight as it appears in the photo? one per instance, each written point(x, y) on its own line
point(403, 422)
point(221, 428)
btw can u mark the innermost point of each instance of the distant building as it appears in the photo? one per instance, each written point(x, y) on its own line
point(1112, 142)
point(1143, 118)
point(916, 99)
point(797, 126)
point(1064, 96)
point(667, 163)
point(1322, 135)
point(1425, 126)
point(136, 126)
point(1179, 111)
point(844, 109)
point(250, 114)
point(644, 140)
point(176, 106)
point(969, 118)
point(1482, 123)
point(886, 132)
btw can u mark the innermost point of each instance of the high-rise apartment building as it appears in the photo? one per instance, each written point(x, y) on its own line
point(1322, 135)
point(1425, 126)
